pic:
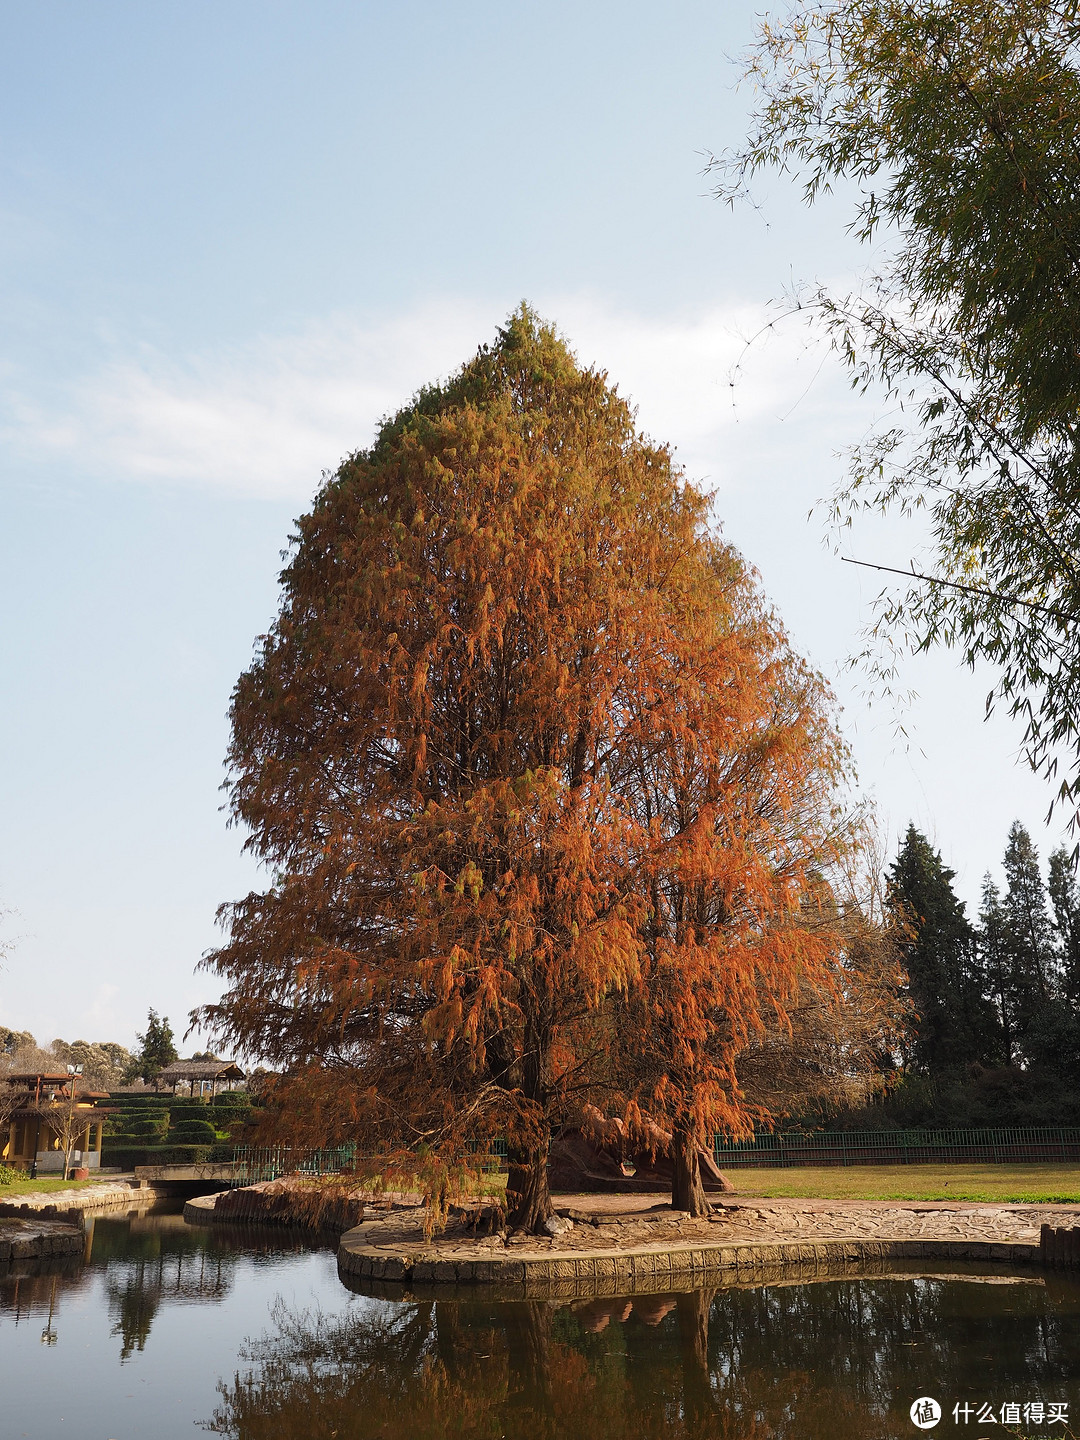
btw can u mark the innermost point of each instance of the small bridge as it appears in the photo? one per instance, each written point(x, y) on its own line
point(185, 1178)
point(249, 1165)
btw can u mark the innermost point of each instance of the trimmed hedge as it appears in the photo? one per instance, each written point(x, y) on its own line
point(148, 1128)
point(192, 1132)
point(135, 1101)
point(231, 1101)
point(127, 1157)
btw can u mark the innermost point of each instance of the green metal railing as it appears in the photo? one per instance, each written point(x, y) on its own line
point(255, 1163)
point(1034, 1145)
point(903, 1147)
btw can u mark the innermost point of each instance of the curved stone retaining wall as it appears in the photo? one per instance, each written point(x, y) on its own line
point(599, 1270)
point(199, 1210)
point(34, 1240)
point(75, 1205)
point(281, 1203)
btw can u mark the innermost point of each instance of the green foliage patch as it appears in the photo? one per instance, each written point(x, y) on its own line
point(127, 1157)
point(193, 1132)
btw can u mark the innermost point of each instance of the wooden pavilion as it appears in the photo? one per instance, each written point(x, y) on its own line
point(206, 1074)
point(36, 1106)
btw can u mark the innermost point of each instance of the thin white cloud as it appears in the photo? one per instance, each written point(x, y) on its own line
point(265, 418)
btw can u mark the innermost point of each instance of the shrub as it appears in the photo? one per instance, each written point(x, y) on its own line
point(192, 1132)
point(153, 1127)
point(188, 1110)
point(129, 1156)
point(142, 1121)
point(232, 1100)
point(9, 1174)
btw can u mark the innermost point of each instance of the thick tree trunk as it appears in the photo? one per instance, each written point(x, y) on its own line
point(693, 1310)
point(687, 1191)
point(528, 1199)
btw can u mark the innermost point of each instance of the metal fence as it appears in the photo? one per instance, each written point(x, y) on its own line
point(903, 1147)
point(254, 1163)
point(491, 1154)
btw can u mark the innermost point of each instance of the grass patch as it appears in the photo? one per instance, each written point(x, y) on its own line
point(46, 1186)
point(1038, 1184)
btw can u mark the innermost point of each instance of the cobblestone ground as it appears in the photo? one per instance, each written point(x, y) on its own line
point(638, 1222)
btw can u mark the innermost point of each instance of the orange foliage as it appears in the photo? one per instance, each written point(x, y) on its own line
point(523, 742)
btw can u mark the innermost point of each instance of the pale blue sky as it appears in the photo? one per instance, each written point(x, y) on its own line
point(234, 234)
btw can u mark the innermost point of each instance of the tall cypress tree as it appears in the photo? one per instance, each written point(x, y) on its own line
point(1053, 1039)
point(956, 1025)
point(994, 960)
point(1065, 898)
point(1028, 932)
point(523, 738)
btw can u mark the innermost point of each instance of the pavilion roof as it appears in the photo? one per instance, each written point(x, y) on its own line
point(201, 1070)
point(31, 1077)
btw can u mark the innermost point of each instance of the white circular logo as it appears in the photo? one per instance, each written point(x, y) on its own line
point(925, 1412)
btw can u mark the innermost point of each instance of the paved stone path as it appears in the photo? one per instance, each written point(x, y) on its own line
point(621, 1239)
point(630, 1221)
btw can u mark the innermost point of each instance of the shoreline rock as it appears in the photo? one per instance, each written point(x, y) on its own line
point(288, 1201)
point(620, 1240)
point(36, 1240)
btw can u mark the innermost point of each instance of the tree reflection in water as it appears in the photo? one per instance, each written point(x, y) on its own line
point(147, 1260)
point(839, 1360)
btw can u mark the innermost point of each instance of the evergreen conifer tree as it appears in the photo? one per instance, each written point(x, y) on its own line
point(994, 956)
point(1028, 931)
point(955, 1025)
point(157, 1048)
point(1065, 898)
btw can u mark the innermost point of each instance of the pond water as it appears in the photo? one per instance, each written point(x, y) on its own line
point(168, 1331)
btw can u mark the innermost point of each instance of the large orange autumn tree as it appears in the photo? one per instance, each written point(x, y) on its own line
point(523, 742)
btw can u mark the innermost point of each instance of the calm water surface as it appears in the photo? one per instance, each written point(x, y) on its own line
point(169, 1332)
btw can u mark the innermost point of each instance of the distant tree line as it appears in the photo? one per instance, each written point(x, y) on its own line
point(105, 1064)
point(994, 1037)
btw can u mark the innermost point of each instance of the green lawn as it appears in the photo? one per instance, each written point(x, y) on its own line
point(47, 1186)
point(1043, 1183)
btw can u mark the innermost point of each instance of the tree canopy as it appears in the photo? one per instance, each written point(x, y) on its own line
point(954, 1022)
point(995, 1035)
point(524, 742)
point(958, 124)
point(157, 1048)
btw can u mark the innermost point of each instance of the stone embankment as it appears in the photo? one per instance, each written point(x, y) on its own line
point(37, 1239)
point(75, 1204)
point(607, 1247)
point(283, 1202)
point(613, 1243)
point(44, 1226)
